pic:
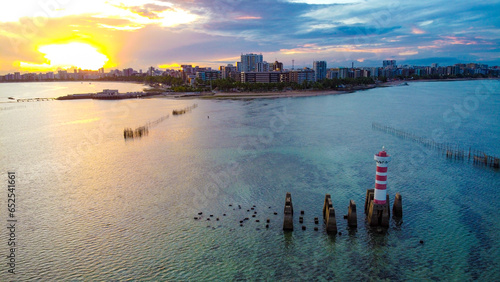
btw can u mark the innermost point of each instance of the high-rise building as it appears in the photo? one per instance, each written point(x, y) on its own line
point(389, 63)
point(228, 71)
point(260, 77)
point(277, 66)
point(343, 72)
point(299, 76)
point(262, 67)
point(319, 68)
point(208, 75)
point(151, 71)
point(128, 72)
point(332, 73)
point(249, 62)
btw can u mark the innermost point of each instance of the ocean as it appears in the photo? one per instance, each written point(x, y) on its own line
point(92, 206)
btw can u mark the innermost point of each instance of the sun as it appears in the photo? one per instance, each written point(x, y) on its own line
point(79, 55)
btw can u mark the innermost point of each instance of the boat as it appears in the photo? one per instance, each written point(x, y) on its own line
point(12, 98)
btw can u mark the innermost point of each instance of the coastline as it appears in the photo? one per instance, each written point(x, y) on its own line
point(295, 93)
point(280, 94)
point(272, 94)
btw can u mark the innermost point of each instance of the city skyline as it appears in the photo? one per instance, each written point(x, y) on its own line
point(41, 36)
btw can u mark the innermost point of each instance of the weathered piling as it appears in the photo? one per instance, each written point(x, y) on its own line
point(144, 130)
point(138, 132)
point(397, 207)
point(329, 215)
point(185, 110)
point(376, 214)
point(288, 211)
point(288, 201)
point(352, 218)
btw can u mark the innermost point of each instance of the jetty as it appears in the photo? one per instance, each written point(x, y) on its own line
point(111, 94)
point(107, 94)
point(450, 150)
point(76, 96)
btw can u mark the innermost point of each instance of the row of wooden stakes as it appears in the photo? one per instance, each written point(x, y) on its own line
point(451, 151)
point(144, 130)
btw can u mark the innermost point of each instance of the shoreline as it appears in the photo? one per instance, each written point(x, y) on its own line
point(297, 93)
point(286, 93)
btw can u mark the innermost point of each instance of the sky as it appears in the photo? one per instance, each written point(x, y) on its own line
point(44, 35)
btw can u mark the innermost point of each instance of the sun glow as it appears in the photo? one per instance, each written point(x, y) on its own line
point(78, 55)
point(170, 66)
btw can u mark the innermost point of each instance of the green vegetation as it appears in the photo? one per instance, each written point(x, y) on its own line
point(176, 84)
point(227, 85)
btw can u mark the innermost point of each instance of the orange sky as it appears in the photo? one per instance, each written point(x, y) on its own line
point(86, 35)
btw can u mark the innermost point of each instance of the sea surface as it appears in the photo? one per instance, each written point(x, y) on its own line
point(92, 206)
point(58, 89)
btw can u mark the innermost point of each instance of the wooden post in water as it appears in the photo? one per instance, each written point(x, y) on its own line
point(288, 218)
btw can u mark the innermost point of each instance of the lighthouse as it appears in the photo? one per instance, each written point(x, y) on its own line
point(382, 159)
point(377, 200)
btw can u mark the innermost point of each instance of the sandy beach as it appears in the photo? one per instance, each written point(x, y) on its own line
point(273, 94)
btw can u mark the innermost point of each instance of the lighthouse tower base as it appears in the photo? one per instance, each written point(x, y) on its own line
point(376, 214)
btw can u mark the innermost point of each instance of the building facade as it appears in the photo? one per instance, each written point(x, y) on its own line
point(249, 62)
point(389, 64)
point(319, 68)
point(260, 77)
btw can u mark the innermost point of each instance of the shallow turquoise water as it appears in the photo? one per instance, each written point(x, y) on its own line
point(95, 207)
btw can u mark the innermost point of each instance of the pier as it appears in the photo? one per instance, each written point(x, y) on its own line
point(34, 99)
point(449, 150)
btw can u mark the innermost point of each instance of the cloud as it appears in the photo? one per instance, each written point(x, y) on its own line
point(150, 11)
point(175, 31)
point(324, 2)
point(122, 27)
point(248, 18)
point(416, 30)
point(408, 53)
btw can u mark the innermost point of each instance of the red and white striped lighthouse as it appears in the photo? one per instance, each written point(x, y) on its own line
point(382, 159)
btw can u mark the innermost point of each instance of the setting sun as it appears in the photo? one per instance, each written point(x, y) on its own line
point(78, 55)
